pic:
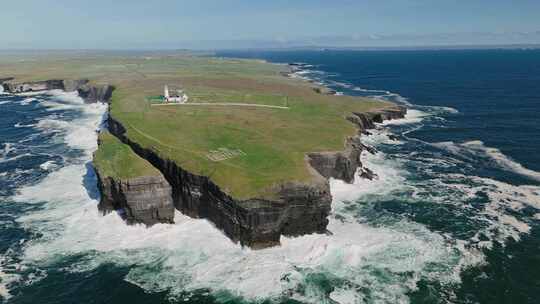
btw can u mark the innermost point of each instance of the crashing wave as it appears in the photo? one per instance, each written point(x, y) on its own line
point(477, 148)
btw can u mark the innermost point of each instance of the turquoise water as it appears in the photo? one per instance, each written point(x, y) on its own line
point(454, 216)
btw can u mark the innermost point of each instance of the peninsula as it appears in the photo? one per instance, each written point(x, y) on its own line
point(249, 148)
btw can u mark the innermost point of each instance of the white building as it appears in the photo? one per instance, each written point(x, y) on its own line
point(177, 96)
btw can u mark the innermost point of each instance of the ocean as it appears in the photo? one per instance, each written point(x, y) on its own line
point(453, 217)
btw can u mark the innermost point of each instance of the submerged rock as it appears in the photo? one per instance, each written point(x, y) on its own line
point(393, 137)
point(368, 174)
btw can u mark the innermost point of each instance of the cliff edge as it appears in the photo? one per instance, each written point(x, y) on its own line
point(130, 186)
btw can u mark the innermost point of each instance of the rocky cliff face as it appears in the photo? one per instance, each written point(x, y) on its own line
point(92, 94)
point(343, 165)
point(88, 92)
point(145, 199)
point(298, 209)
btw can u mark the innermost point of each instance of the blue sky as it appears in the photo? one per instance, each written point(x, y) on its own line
point(253, 23)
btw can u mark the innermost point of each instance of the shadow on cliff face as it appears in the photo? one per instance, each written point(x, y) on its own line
point(89, 181)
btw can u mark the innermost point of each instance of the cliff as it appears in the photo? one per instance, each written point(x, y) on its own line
point(297, 209)
point(145, 199)
point(90, 93)
point(130, 185)
point(343, 165)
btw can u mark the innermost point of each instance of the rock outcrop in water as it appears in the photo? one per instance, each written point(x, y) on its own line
point(90, 93)
point(145, 199)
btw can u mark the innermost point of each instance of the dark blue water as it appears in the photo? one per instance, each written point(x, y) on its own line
point(491, 132)
point(454, 216)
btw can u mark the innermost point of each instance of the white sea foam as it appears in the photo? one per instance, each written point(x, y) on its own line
point(346, 296)
point(476, 148)
point(460, 188)
point(389, 178)
point(9, 159)
point(394, 97)
point(501, 159)
point(19, 125)
point(375, 92)
point(457, 189)
point(5, 280)
point(503, 197)
point(81, 133)
point(439, 109)
point(48, 165)
point(8, 148)
point(192, 254)
point(27, 101)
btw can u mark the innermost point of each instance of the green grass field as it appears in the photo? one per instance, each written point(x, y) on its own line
point(274, 142)
point(117, 160)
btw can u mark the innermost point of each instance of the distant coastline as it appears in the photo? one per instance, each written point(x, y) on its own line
point(457, 47)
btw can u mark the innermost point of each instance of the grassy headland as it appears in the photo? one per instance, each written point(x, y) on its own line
point(273, 142)
point(117, 160)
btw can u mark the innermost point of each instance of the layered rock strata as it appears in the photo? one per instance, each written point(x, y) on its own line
point(145, 199)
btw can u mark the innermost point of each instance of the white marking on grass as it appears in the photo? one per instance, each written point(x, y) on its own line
point(222, 154)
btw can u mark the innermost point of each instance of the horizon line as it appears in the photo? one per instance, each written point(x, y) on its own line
point(299, 47)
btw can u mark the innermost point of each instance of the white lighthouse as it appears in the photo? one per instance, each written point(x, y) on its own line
point(166, 93)
point(178, 95)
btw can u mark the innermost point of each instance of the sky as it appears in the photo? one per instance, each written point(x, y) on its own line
point(207, 24)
